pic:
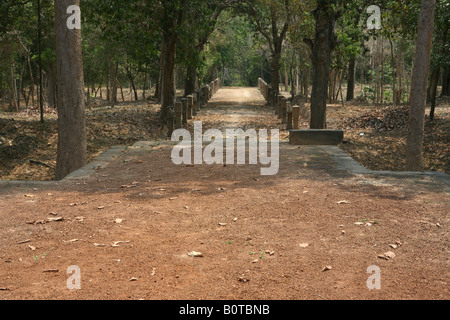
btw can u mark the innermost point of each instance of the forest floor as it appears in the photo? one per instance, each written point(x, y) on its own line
point(309, 232)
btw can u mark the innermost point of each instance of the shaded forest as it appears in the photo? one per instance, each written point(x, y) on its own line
point(150, 53)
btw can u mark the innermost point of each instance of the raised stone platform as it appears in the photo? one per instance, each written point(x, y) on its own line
point(316, 137)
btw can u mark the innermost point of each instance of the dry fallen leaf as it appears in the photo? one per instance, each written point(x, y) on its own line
point(326, 268)
point(342, 202)
point(55, 219)
point(73, 240)
point(99, 244)
point(116, 243)
point(195, 254)
point(387, 255)
point(51, 270)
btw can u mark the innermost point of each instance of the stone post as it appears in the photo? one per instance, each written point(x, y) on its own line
point(184, 101)
point(295, 117)
point(171, 120)
point(278, 107)
point(273, 103)
point(194, 104)
point(269, 95)
point(288, 115)
point(190, 106)
point(178, 115)
point(199, 100)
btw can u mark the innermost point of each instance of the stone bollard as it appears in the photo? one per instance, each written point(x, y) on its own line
point(288, 115)
point(190, 106)
point(283, 110)
point(295, 117)
point(208, 93)
point(178, 115)
point(194, 104)
point(184, 101)
point(171, 120)
point(204, 96)
point(278, 106)
point(199, 100)
point(273, 101)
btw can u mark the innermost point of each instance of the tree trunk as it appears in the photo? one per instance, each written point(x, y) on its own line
point(433, 89)
point(190, 85)
point(51, 94)
point(399, 92)
point(286, 78)
point(394, 79)
point(144, 88)
point(72, 150)
point(351, 79)
point(446, 82)
point(276, 71)
point(13, 87)
point(321, 48)
point(414, 143)
point(306, 81)
point(115, 70)
point(382, 72)
point(168, 93)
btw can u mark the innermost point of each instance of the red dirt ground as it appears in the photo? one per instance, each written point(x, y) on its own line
point(252, 230)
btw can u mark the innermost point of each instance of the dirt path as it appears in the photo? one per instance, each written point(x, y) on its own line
point(309, 232)
point(239, 108)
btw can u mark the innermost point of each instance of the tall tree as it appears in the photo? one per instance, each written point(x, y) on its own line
point(272, 19)
point(201, 22)
point(171, 20)
point(414, 143)
point(322, 46)
point(352, 27)
point(72, 150)
point(440, 51)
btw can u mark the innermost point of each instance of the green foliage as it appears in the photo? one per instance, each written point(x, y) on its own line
point(239, 39)
point(237, 51)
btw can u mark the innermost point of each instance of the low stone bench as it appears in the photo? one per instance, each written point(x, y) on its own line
point(316, 137)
